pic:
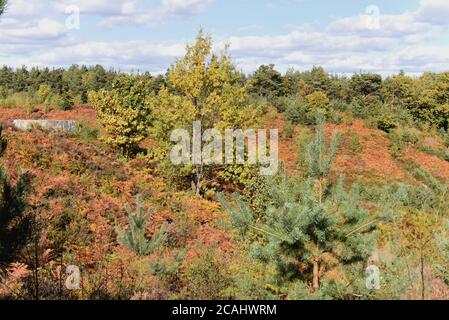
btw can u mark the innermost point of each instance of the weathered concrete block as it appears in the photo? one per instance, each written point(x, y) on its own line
point(58, 125)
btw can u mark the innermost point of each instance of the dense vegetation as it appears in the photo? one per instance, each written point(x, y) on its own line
point(396, 100)
point(57, 88)
point(217, 232)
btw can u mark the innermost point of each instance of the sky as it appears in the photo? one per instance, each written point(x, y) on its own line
point(345, 36)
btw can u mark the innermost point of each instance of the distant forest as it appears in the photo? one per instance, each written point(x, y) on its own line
point(423, 99)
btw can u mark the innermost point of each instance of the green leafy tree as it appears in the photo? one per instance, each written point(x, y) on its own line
point(43, 93)
point(366, 84)
point(317, 101)
point(313, 225)
point(290, 82)
point(305, 109)
point(134, 235)
point(421, 241)
point(124, 111)
point(400, 91)
point(305, 83)
point(432, 105)
point(442, 239)
point(15, 223)
point(319, 79)
point(201, 87)
point(93, 79)
point(296, 110)
point(339, 88)
point(266, 83)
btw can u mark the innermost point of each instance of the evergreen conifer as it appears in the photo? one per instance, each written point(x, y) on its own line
point(15, 224)
point(134, 236)
point(313, 225)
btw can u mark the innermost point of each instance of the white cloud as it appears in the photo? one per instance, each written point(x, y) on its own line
point(151, 18)
point(186, 6)
point(124, 55)
point(30, 26)
point(433, 11)
point(430, 14)
point(387, 25)
point(131, 15)
point(99, 7)
point(24, 8)
point(342, 54)
point(347, 45)
point(131, 8)
point(34, 31)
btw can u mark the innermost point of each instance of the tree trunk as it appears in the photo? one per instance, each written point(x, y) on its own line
point(423, 282)
point(60, 275)
point(36, 268)
point(316, 275)
point(199, 179)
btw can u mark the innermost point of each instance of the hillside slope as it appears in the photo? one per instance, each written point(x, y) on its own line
point(80, 186)
point(364, 155)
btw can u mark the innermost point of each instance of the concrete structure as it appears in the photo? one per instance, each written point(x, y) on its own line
point(58, 125)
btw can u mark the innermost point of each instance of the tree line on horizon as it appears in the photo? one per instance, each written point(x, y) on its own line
point(425, 97)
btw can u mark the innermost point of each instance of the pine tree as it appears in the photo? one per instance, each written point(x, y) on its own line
point(437, 193)
point(266, 82)
point(319, 160)
point(134, 236)
point(15, 224)
point(3, 4)
point(313, 225)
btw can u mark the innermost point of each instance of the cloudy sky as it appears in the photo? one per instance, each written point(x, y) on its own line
point(344, 36)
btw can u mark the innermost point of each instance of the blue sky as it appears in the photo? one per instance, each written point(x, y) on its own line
point(344, 36)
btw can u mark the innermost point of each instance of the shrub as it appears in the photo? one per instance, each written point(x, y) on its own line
point(432, 105)
point(17, 100)
point(77, 100)
point(124, 111)
point(85, 131)
point(386, 123)
point(339, 105)
point(352, 142)
point(317, 101)
point(357, 109)
point(43, 93)
point(256, 195)
point(59, 101)
point(206, 277)
point(282, 103)
point(288, 130)
point(304, 110)
point(402, 137)
point(296, 111)
point(15, 221)
point(3, 92)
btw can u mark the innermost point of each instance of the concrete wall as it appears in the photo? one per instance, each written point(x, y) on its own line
point(61, 125)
